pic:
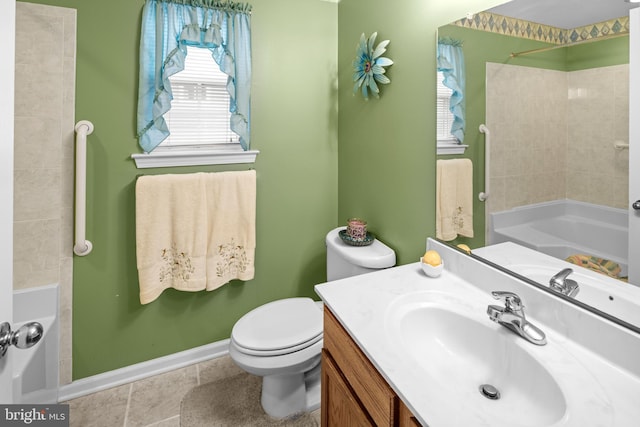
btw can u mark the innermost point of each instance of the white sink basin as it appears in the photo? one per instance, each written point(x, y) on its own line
point(464, 353)
point(456, 349)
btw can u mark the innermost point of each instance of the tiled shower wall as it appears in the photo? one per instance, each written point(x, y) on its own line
point(43, 159)
point(553, 135)
point(526, 112)
point(598, 117)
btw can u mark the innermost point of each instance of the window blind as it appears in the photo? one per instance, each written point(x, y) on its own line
point(444, 116)
point(199, 113)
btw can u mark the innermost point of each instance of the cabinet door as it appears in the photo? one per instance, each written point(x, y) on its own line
point(375, 395)
point(406, 418)
point(340, 407)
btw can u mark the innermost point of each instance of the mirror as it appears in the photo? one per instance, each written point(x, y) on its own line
point(558, 120)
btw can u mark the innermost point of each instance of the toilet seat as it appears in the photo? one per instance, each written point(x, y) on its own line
point(278, 327)
point(279, 351)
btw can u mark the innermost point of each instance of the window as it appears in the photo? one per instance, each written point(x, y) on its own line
point(199, 114)
point(224, 29)
point(199, 119)
point(450, 97)
point(446, 142)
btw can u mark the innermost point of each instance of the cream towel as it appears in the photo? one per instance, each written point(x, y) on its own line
point(231, 232)
point(181, 218)
point(454, 199)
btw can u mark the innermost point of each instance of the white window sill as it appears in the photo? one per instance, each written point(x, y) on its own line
point(448, 148)
point(172, 158)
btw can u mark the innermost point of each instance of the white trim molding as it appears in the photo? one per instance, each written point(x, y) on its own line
point(142, 370)
point(444, 149)
point(173, 158)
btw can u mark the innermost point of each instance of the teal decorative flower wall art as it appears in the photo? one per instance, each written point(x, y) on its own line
point(369, 66)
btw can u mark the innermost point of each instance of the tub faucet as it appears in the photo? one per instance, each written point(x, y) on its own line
point(561, 283)
point(512, 317)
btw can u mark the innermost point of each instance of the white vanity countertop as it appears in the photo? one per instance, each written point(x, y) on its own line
point(362, 304)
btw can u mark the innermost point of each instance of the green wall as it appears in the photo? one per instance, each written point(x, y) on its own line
point(387, 145)
point(598, 54)
point(294, 125)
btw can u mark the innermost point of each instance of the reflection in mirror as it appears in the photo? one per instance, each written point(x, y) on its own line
point(555, 99)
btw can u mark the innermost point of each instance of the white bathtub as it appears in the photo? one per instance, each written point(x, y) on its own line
point(565, 227)
point(35, 378)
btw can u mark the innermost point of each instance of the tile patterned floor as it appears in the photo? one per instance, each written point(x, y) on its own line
point(153, 401)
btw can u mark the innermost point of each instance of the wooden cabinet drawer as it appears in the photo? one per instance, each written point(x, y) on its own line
point(374, 393)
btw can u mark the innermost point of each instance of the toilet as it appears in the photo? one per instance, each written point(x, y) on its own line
point(281, 341)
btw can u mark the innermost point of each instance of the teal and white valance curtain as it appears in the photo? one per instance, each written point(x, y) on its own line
point(451, 64)
point(168, 27)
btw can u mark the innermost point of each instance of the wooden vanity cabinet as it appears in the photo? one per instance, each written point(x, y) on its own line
point(353, 391)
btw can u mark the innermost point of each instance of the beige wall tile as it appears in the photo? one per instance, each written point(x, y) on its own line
point(553, 134)
point(44, 141)
point(36, 252)
point(36, 142)
point(37, 194)
point(66, 371)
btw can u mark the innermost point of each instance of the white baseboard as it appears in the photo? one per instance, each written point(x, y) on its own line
point(142, 370)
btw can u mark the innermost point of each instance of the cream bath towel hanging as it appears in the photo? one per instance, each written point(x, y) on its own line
point(454, 199)
point(194, 231)
point(231, 242)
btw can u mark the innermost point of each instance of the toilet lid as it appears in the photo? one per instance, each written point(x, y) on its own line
point(278, 326)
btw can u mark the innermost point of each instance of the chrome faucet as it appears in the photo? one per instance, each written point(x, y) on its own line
point(561, 283)
point(512, 317)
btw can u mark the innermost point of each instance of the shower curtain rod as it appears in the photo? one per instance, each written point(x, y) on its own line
point(544, 49)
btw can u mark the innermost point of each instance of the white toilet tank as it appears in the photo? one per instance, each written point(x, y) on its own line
point(344, 260)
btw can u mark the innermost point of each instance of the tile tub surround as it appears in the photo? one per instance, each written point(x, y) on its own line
point(553, 134)
point(604, 349)
point(43, 157)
